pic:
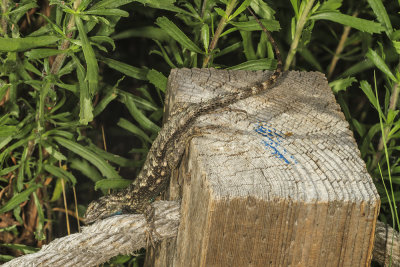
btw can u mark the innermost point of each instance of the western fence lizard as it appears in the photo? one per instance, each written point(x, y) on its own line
point(167, 149)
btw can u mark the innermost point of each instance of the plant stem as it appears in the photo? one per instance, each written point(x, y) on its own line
point(220, 28)
point(56, 66)
point(339, 48)
point(203, 8)
point(3, 21)
point(299, 29)
point(58, 62)
point(394, 98)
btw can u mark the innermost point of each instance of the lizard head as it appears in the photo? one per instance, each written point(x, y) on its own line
point(104, 207)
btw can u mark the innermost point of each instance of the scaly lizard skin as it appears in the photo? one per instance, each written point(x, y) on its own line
point(167, 149)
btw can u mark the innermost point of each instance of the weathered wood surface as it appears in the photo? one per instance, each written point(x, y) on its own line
point(123, 234)
point(386, 245)
point(279, 183)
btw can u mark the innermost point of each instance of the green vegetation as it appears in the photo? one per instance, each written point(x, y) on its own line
point(84, 81)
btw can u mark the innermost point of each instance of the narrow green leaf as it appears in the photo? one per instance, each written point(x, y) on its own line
point(229, 49)
point(23, 44)
point(176, 34)
point(28, 66)
point(360, 128)
point(366, 87)
point(42, 31)
point(58, 132)
point(257, 64)
point(110, 4)
point(330, 5)
point(105, 100)
point(57, 192)
point(357, 68)
point(396, 45)
point(90, 58)
point(252, 25)
point(8, 170)
point(50, 24)
point(106, 169)
point(83, 5)
point(357, 23)
point(366, 143)
point(240, 9)
point(74, 88)
point(220, 12)
point(86, 169)
point(10, 148)
point(393, 131)
point(107, 12)
point(43, 52)
point(165, 5)
point(18, 198)
point(144, 32)
point(67, 69)
point(163, 53)
point(23, 248)
point(19, 12)
point(248, 46)
point(158, 79)
point(102, 39)
point(5, 258)
point(112, 184)
point(139, 116)
point(295, 6)
point(205, 36)
point(341, 84)
point(262, 9)
point(60, 173)
point(391, 115)
point(21, 170)
point(380, 12)
point(127, 125)
point(52, 151)
point(7, 130)
point(121, 161)
point(310, 58)
point(137, 73)
point(140, 102)
point(22, 9)
point(380, 64)
point(39, 234)
point(85, 103)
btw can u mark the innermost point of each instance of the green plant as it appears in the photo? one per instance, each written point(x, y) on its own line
point(64, 74)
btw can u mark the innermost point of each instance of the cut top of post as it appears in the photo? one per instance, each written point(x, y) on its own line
point(293, 140)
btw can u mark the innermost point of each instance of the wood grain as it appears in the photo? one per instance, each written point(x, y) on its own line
point(280, 181)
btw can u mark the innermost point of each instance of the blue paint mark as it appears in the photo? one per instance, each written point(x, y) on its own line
point(273, 140)
point(116, 213)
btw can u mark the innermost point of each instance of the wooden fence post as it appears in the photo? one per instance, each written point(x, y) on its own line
point(280, 182)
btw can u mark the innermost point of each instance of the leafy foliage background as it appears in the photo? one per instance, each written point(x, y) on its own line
point(82, 87)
